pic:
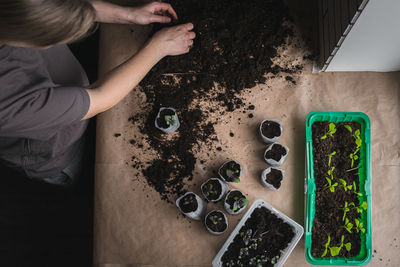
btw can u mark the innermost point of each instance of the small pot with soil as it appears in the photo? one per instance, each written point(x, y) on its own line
point(214, 189)
point(192, 206)
point(272, 178)
point(270, 130)
point(167, 120)
point(235, 202)
point(276, 154)
point(216, 222)
point(230, 171)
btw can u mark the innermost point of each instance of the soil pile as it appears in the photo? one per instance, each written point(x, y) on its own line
point(235, 44)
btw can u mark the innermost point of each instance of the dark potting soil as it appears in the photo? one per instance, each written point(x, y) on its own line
point(328, 218)
point(232, 51)
point(188, 203)
point(270, 129)
point(219, 218)
point(270, 233)
point(211, 189)
point(161, 120)
point(276, 153)
point(274, 178)
point(230, 199)
point(233, 166)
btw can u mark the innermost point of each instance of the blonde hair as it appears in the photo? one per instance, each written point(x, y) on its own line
point(43, 23)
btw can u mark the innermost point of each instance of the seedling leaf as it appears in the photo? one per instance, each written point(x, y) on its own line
point(364, 205)
point(334, 251)
point(347, 246)
point(348, 128)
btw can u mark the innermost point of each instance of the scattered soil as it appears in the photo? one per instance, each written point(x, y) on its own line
point(230, 198)
point(271, 129)
point(274, 178)
point(232, 51)
point(276, 153)
point(161, 119)
point(328, 215)
point(220, 226)
point(233, 166)
point(214, 192)
point(271, 233)
point(188, 203)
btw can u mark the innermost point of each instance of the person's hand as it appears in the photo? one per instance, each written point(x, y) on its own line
point(173, 41)
point(153, 12)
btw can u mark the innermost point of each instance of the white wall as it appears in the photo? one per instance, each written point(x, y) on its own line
point(373, 43)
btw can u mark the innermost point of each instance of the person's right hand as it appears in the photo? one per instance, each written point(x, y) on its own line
point(173, 41)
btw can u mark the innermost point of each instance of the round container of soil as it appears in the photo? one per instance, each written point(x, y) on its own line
point(272, 178)
point(270, 130)
point(230, 171)
point(216, 222)
point(214, 189)
point(167, 120)
point(235, 202)
point(192, 206)
point(276, 154)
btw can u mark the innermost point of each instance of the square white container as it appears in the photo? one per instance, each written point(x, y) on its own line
point(297, 229)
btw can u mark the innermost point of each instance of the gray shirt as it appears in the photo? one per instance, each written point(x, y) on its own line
point(42, 102)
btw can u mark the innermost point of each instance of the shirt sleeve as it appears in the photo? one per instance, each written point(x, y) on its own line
point(45, 110)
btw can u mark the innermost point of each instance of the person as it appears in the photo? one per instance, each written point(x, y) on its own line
point(45, 98)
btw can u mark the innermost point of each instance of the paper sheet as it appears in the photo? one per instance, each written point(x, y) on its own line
point(133, 227)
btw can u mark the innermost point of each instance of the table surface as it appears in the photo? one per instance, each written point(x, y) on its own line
point(134, 227)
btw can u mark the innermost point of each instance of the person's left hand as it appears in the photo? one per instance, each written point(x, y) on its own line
point(153, 12)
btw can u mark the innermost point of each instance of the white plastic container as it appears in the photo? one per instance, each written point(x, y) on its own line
point(264, 177)
point(211, 231)
point(297, 229)
point(171, 128)
point(228, 207)
point(267, 139)
point(199, 213)
point(223, 178)
point(224, 189)
point(273, 162)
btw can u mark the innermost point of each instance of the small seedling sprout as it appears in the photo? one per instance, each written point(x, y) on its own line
point(354, 157)
point(330, 185)
point(348, 225)
point(345, 209)
point(232, 174)
point(216, 219)
point(247, 237)
point(336, 250)
point(332, 130)
point(326, 246)
point(355, 190)
point(239, 204)
point(359, 226)
point(330, 157)
point(345, 186)
point(171, 120)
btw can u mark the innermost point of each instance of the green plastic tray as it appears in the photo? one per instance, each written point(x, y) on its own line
point(364, 173)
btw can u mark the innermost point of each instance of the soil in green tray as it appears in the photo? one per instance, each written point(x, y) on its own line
point(276, 153)
point(188, 203)
point(328, 218)
point(270, 129)
point(216, 221)
point(262, 237)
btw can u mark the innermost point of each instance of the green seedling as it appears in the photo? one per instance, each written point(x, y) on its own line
point(336, 250)
point(346, 209)
point(239, 203)
point(356, 135)
point(330, 185)
point(363, 206)
point(233, 175)
point(354, 157)
point(348, 225)
point(344, 185)
point(326, 246)
point(359, 226)
point(355, 190)
point(171, 120)
point(332, 130)
point(330, 157)
point(216, 219)
point(210, 190)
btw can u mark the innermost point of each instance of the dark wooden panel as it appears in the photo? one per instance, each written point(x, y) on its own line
point(332, 34)
point(326, 37)
point(338, 21)
point(344, 14)
point(322, 50)
point(353, 7)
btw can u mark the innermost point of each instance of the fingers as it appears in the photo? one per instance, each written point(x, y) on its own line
point(160, 19)
point(185, 27)
point(157, 6)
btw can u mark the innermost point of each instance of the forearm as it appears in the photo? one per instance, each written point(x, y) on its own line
point(108, 91)
point(109, 13)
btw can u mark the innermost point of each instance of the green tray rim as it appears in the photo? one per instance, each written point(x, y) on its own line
point(365, 160)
